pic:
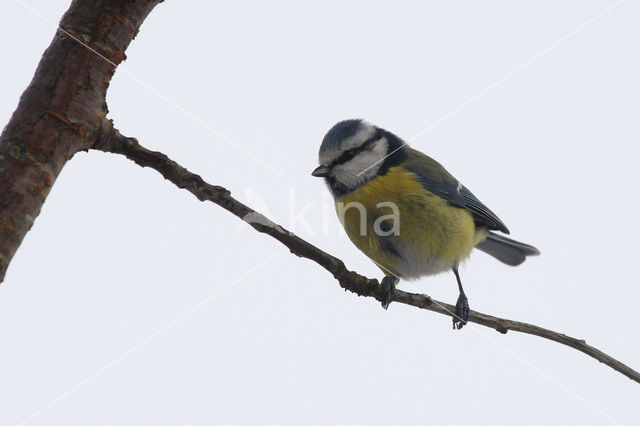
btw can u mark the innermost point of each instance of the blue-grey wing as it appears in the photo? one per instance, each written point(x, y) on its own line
point(458, 195)
point(434, 178)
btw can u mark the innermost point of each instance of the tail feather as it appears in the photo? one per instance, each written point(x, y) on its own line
point(507, 250)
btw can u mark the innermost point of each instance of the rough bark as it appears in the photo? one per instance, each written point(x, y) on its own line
point(61, 110)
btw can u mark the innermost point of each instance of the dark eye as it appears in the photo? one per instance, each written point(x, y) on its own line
point(348, 155)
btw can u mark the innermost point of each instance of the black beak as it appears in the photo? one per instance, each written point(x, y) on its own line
point(320, 171)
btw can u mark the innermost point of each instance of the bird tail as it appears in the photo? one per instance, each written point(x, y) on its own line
point(507, 250)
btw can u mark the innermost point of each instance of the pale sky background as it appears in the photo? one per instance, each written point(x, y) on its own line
point(118, 254)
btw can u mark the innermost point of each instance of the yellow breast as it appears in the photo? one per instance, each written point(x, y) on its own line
point(406, 230)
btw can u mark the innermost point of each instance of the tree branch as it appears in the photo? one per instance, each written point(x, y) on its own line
point(61, 111)
point(112, 141)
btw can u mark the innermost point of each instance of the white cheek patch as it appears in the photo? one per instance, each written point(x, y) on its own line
point(368, 160)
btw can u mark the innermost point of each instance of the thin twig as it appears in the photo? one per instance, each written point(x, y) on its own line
point(112, 141)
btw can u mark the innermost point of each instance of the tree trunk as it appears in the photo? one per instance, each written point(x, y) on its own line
point(61, 111)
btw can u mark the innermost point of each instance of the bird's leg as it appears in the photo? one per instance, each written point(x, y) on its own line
point(389, 286)
point(462, 305)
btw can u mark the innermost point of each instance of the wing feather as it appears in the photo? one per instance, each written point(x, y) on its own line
point(435, 178)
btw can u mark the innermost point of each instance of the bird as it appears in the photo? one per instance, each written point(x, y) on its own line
point(406, 212)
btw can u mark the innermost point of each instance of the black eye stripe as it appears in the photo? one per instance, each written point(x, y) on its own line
point(350, 153)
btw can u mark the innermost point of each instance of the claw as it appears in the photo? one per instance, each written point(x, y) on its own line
point(389, 286)
point(462, 312)
point(462, 305)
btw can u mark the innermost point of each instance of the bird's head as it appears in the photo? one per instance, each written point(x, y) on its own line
point(353, 152)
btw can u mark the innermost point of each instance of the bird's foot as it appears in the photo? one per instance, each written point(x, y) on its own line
point(389, 286)
point(462, 312)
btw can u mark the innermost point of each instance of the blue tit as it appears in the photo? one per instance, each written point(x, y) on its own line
point(405, 211)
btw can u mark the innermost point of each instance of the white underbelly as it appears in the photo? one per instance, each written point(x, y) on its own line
point(411, 264)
